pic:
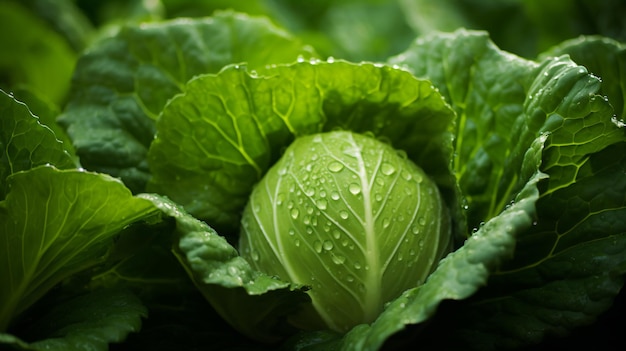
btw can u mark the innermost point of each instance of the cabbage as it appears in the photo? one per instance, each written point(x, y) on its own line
point(350, 217)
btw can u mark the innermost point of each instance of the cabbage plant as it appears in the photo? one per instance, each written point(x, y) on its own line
point(350, 217)
point(216, 182)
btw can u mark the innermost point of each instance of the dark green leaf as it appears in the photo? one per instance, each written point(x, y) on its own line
point(26, 142)
point(87, 322)
point(54, 223)
point(255, 304)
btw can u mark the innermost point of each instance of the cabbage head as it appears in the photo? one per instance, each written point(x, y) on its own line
point(350, 217)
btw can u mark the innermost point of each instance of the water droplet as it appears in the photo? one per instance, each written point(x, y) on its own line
point(317, 246)
point(328, 245)
point(294, 213)
point(386, 222)
point(421, 221)
point(330, 59)
point(336, 234)
point(292, 232)
point(387, 168)
point(415, 230)
point(255, 256)
point(343, 214)
point(357, 265)
point(335, 195)
point(354, 189)
point(233, 270)
point(406, 174)
point(322, 192)
point(335, 166)
point(297, 242)
point(321, 204)
point(307, 220)
point(350, 278)
point(280, 198)
point(378, 197)
point(309, 192)
point(338, 259)
point(412, 252)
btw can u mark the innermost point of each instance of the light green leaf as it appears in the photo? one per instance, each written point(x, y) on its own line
point(26, 142)
point(254, 303)
point(91, 321)
point(54, 223)
point(122, 83)
point(216, 140)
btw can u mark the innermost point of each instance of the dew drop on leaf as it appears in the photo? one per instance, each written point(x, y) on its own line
point(338, 259)
point(294, 213)
point(354, 189)
point(317, 246)
point(386, 222)
point(336, 234)
point(387, 168)
point(335, 167)
point(328, 245)
point(321, 204)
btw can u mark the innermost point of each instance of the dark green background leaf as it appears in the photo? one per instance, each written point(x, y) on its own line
point(88, 322)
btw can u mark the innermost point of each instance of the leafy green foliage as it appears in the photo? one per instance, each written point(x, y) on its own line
point(26, 143)
point(228, 281)
point(121, 85)
point(54, 224)
point(202, 160)
point(94, 319)
point(527, 155)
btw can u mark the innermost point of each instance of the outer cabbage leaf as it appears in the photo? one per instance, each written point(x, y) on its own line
point(216, 141)
point(93, 321)
point(487, 87)
point(252, 302)
point(54, 223)
point(604, 58)
point(26, 142)
point(578, 218)
point(121, 84)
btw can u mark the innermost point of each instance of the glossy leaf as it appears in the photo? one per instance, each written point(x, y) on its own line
point(54, 223)
point(121, 84)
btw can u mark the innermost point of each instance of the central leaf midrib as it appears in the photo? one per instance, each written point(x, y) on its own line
point(372, 280)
